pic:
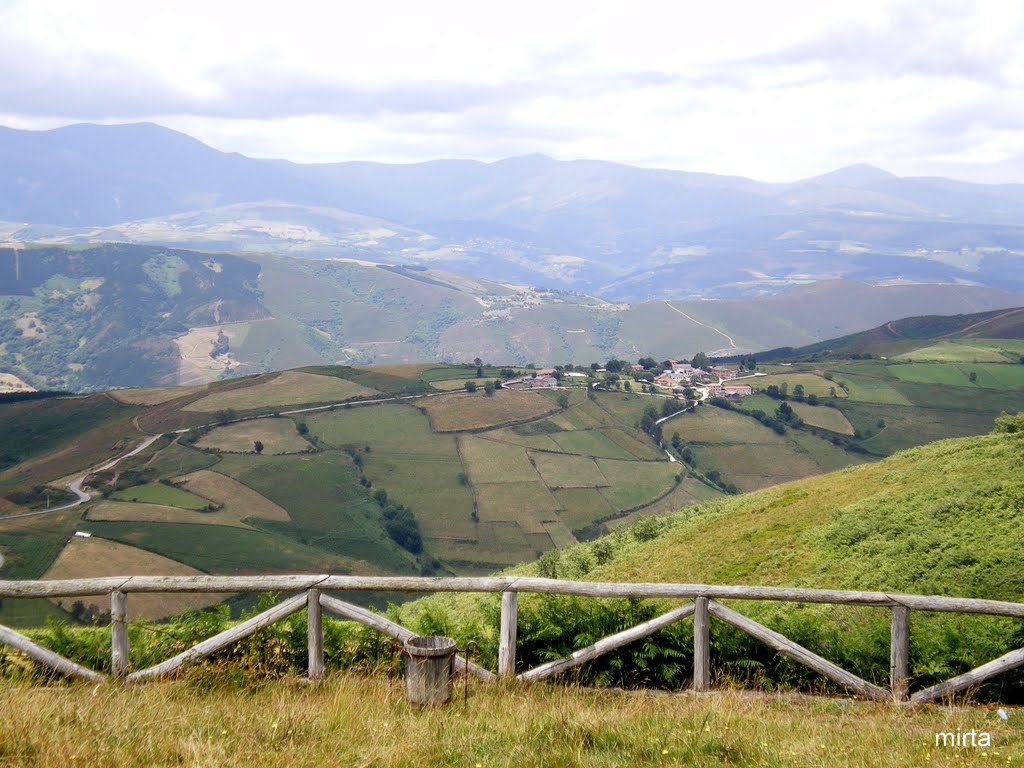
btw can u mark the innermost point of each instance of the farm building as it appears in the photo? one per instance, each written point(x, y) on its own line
point(725, 373)
point(729, 390)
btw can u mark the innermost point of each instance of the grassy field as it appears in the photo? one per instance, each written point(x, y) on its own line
point(820, 416)
point(290, 388)
point(461, 412)
point(560, 471)
point(752, 456)
point(154, 395)
point(165, 495)
point(813, 384)
point(238, 500)
point(88, 558)
point(354, 719)
point(968, 351)
point(874, 386)
point(177, 459)
point(593, 443)
point(633, 483)
point(327, 505)
point(222, 549)
point(488, 461)
point(987, 375)
point(416, 466)
point(278, 436)
point(156, 513)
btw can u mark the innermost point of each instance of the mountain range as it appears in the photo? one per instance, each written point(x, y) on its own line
point(615, 231)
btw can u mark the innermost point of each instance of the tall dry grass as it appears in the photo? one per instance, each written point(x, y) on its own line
point(357, 720)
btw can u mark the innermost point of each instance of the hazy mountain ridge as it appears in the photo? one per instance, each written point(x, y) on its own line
point(623, 232)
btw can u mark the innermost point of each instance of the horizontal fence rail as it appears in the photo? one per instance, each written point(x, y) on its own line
point(703, 604)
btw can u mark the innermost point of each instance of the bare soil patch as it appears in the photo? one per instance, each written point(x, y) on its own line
point(95, 557)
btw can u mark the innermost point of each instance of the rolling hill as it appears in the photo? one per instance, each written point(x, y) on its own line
point(944, 518)
point(396, 469)
point(621, 232)
point(99, 316)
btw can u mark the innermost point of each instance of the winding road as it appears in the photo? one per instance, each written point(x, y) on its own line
point(727, 337)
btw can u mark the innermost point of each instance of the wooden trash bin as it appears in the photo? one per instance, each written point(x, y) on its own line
point(429, 669)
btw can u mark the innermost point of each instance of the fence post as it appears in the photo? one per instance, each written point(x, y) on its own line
point(899, 652)
point(118, 633)
point(315, 634)
point(507, 641)
point(701, 646)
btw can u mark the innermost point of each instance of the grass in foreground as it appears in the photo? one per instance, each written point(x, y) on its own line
point(352, 719)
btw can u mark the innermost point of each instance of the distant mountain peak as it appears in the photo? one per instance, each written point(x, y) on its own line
point(856, 175)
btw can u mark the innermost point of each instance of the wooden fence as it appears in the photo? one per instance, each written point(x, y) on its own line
point(702, 602)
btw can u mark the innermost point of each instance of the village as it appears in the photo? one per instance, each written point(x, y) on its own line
point(698, 379)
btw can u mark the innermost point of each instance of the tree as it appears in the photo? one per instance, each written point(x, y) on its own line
point(489, 388)
point(973, 377)
point(784, 411)
point(563, 401)
point(700, 360)
point(470, 386)
point(627, 386)
point(477, 362)
point(258, 446)
point(613, 365)
point(479, 372)
point(677, 441)
point(668, 407)
point(798, 393)
point(649, 423)
point(812, 399)
point(498, 384)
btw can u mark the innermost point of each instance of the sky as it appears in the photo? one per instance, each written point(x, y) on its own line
point(774, 91)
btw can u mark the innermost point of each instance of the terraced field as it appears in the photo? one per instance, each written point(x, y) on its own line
point(486, 482)
point(752, 456)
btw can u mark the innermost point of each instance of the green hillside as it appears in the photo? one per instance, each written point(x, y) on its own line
point(944, 518)
point(392, 469)
point(91, 317)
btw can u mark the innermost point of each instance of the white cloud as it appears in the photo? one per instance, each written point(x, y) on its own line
point(774, 91)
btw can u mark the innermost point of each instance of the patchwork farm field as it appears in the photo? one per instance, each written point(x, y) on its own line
point(277, 435)
point(822, 416)
point(969, 375)
point(812, 383)
point(475, 411)
point(450, 483)
point(751, 455)
point(89, 558)
point(968, 351)
point(289, 388)
point(157, 493)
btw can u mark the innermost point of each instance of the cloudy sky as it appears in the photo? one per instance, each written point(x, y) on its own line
point(775, 91)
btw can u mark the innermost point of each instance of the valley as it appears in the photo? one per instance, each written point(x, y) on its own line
point(398, 469)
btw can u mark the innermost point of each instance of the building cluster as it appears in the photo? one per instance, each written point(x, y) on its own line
point(676, 378)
